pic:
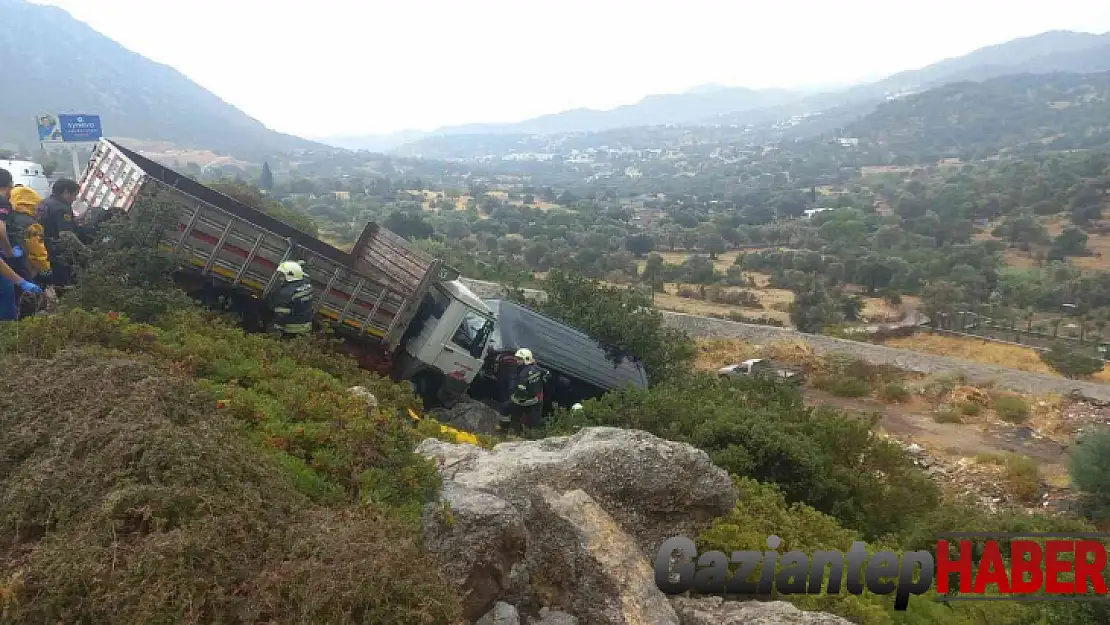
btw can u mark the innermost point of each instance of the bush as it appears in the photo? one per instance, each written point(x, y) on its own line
point(128, 498)
point(1010, 408)
point(1089, 467)
point(1072, 362)
point(895, 392)
point(291, 395)
point(947, 416)
point(970, 409)
point(843, 385)
point(762, 429)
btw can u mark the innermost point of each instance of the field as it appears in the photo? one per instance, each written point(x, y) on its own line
point(721, 263)
point(975, 350)
point(461, 201)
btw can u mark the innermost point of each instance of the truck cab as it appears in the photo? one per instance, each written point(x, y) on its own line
point(448, 342)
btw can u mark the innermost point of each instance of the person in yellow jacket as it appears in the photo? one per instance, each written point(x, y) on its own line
point(26, 232)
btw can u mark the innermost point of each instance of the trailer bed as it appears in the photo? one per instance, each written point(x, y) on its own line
point(241, 246)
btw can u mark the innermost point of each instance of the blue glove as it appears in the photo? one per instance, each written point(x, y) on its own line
point(30, 287)
point(17, 251)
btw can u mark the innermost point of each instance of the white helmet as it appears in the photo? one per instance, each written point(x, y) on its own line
point(576, 407)
point(525, 356)
point(291, 270)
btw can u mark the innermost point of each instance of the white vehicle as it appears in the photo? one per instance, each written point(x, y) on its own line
point(28, 174)
point(762, 368)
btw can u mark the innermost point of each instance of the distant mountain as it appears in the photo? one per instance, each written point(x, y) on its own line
point(712, 104)
point(1022, 112)
point(56, 64)
point(1053, 51)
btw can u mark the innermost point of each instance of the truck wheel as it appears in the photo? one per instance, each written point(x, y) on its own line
point(446, 398)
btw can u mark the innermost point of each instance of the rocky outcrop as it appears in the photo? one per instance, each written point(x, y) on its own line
point(588, 566)
point(716, 611)
point(654, 488)
point(569, 523)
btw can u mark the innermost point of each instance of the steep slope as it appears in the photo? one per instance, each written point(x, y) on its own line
point(978, 119)
point(66, 66)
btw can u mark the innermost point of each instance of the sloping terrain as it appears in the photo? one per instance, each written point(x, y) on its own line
point(60, 65)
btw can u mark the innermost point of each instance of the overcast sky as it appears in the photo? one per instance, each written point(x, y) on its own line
point(339, 67)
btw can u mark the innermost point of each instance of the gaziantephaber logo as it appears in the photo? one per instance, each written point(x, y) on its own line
point(987, 566)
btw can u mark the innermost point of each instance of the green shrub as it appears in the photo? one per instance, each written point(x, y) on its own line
point(843, 385)
point(127, 497)
point(970, 408)
point(292, 395)
point(1010, 408)
point(895, 392)
point(947, 416)
point(762, 429)
point(1089, 467)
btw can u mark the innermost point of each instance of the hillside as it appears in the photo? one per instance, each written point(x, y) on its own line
point(76, 69)
point(1053, 51)
point(977, 119)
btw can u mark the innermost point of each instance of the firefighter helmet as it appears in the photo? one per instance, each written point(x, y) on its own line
point(525, 356)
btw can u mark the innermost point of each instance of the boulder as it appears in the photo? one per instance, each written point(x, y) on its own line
point(470, 415)
point(717, 611)
point(653, 488)
point(582, 562)
point(478, 540)
point(553, 617)
point(366, 395)
point(501, 614)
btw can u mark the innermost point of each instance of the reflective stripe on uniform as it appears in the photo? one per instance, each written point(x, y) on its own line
point(283, 311)
point(526, 402)
point(295, 328)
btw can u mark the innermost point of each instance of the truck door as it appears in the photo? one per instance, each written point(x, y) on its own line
point(462, 351)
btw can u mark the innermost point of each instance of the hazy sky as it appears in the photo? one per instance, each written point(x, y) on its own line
point(334, 67)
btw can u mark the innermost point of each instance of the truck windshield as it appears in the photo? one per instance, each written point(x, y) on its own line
point(473, 333)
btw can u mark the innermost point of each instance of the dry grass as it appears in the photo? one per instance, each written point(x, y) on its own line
point(714, 354)
point(988, 352)
point(721, 263)
point(126, 498)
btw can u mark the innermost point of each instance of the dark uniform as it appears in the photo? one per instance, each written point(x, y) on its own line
point(526, 407)
point(56, 217)
point(505, 370)
point(292, 307)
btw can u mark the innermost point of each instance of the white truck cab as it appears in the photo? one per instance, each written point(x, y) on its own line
point(453, 337)
point(28, 174)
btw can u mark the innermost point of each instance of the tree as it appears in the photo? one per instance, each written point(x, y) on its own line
point(253, 197)
point(712, 243)
point(1070, 362)
point(1071, 242)
point(266, 182)
point(1089, 467)
point(813, 308)
point(639, 244)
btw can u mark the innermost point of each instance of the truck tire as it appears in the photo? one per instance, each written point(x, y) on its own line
point(446, 398)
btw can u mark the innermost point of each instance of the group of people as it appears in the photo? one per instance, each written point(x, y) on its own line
point(30, 230)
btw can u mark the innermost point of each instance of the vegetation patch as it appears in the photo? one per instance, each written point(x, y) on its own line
point(127, 496)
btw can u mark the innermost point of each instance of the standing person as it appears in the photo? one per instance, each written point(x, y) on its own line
point(9, 279)
point(25, 234)
point(56, 216)
point(505, 369)
point(291, 303)
point(527, 398)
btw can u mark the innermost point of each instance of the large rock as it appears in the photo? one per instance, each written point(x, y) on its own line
point(717, 611)
point(582, 562)
point(654, 488)
point(469, 414)
point(479, 540)
point(553, 617)
point(501, 614)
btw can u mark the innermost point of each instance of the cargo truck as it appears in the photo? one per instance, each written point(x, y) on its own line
point(402, 312)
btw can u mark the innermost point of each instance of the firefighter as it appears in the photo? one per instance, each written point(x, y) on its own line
point(526, 401)
point(291, 303)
